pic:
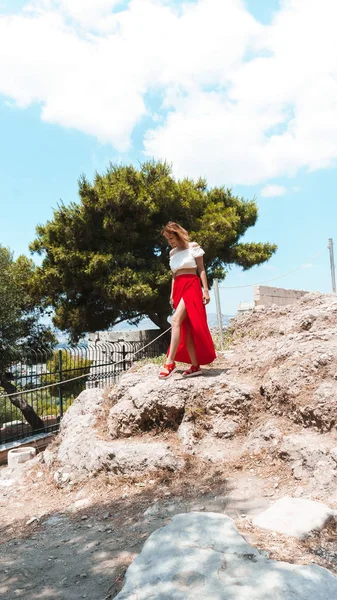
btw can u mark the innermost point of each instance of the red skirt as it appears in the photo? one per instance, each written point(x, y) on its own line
point(188, 287)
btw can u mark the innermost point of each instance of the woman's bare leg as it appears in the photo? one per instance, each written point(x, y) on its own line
point(191, 348)
point(177, 319)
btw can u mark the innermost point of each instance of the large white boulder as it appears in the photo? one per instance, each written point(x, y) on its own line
point(296, 517)
point(202, 556)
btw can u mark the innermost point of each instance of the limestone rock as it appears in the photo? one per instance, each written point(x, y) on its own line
point(324, 408)
point(333, 453)
point(49, 456)
point(267, 431)
point(78, 505)
point(85, 409)
point(143, 402)
point(224, 428)
point(296, 517)
point(187, 433)
point(81, 450)
point(202, 555)
point(310, 457)
point(191, 430)
point(265, 436)
point(294, 359)
point(279, 377)
point(120, 456)
point(230, 398)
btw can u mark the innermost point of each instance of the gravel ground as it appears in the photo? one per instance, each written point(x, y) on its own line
point(75, 542)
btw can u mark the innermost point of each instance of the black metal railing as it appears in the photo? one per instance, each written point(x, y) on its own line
point(40, 375)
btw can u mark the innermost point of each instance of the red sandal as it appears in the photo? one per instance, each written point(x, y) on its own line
point(169, 368)
point(192, 371)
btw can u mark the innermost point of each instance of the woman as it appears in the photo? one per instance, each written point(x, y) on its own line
point(191, 340)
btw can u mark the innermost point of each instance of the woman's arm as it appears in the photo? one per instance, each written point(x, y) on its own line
point(203, 277)
point(171, 296)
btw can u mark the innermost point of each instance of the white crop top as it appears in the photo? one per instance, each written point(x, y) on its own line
point(185, 259)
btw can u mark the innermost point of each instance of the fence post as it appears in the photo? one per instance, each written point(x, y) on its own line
point(332, 265)
point(60, 386)
point(218, 310)
point(124, 356)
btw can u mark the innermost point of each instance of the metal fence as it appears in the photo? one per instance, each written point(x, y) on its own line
point(97, 365)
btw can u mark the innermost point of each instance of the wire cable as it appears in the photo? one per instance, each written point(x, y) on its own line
point(232, 287)
point(45, 387)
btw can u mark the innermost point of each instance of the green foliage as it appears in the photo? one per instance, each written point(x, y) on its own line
point(21, 330)
point(105, 260)
point(154, 360)
point(8, 412)
point(42, 402)
point(20, 314)
point(72, 366)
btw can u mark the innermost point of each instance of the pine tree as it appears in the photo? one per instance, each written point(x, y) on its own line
point(105, 260)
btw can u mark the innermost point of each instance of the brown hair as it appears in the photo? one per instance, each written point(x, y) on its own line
point(178, 231)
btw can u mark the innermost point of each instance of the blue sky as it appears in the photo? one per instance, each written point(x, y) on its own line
point(232, 91)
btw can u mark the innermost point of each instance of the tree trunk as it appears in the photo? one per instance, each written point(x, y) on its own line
point(28, 412)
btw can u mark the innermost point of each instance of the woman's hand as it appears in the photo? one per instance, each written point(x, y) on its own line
point(171, 302)
point(205, 296)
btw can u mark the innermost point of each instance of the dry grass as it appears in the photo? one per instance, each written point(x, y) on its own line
point(126, 498)
point(319, 549)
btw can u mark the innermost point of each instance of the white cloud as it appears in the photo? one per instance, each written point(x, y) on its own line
point(88, 13)
point(241, 102)
point(279, 114)
point(272, 190)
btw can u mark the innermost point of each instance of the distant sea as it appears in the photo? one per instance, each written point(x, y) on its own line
point(144, 324)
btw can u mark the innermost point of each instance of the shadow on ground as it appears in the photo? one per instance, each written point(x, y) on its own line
point(83, 546)
point(84, 554)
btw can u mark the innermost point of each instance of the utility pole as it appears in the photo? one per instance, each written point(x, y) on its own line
point(332, 265)
point(218, 310)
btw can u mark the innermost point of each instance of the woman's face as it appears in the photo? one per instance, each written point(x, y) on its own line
point(172, 239)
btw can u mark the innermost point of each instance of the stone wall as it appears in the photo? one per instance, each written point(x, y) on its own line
point(245, 306)
point(266, 296)
point(139, 335)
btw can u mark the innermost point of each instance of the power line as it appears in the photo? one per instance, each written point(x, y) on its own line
point(232, 287)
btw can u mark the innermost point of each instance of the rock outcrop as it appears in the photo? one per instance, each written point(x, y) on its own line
point(202, 555)
point(296, 517)
point(291, 351)
point(142, 402)
point(273, 393)
point(81, 449)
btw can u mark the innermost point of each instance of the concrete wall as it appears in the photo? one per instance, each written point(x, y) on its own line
point(245, 306)
point(139, 335)
point(10, 431)
point(266, 296)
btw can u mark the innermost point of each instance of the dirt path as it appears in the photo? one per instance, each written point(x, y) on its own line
point(77, 541)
